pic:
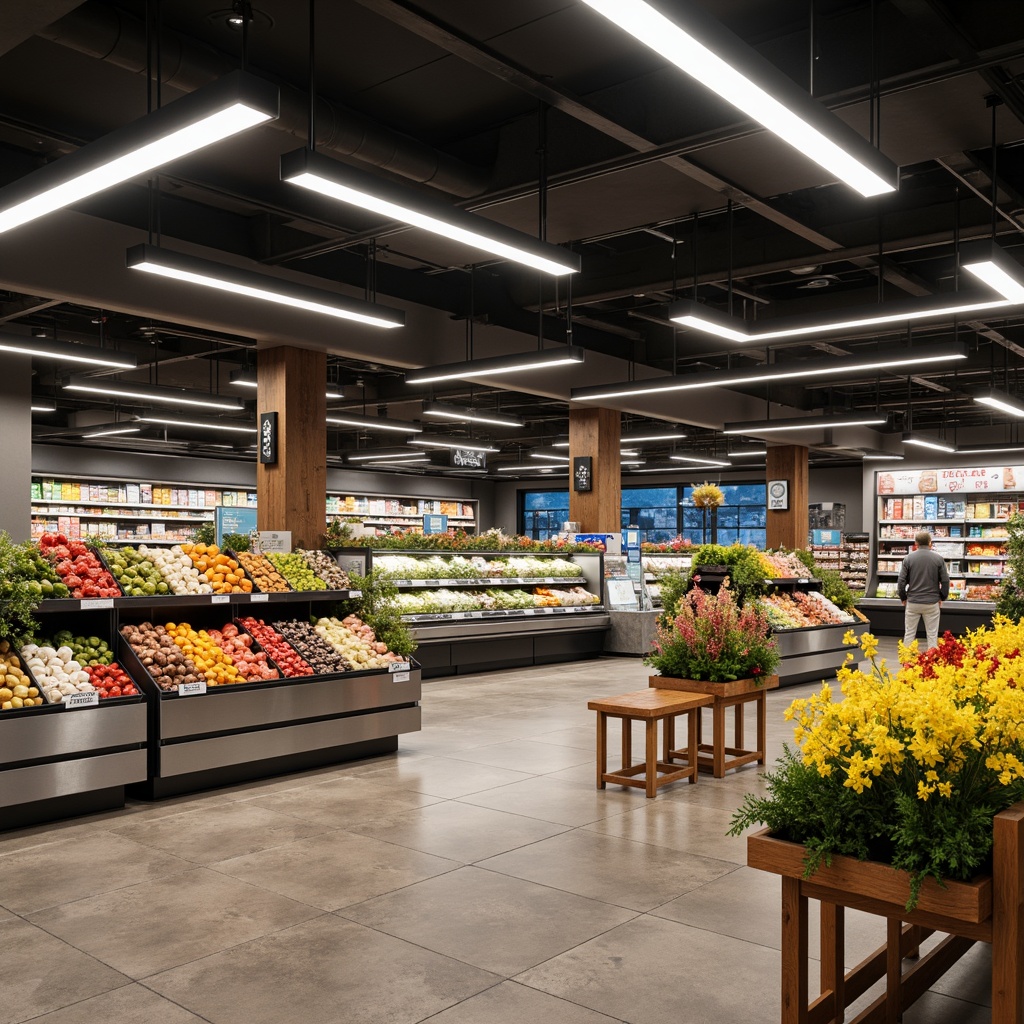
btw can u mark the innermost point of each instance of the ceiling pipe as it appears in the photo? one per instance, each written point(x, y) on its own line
point(117, 38)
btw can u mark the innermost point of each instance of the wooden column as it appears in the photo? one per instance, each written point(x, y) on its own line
point(596, 432)
point(292, 493)
point(788, 528)
point(16, 432)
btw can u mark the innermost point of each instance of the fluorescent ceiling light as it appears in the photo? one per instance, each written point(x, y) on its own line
point(232, 104)
point(244, 378)
point(651, 434)
point(853, 419)
point(410, 460)
point(66, 352)
point(333, 394)
point(462, 414)
point(113, 430)
point(880, 456)
point(549, 456)
point(1002, 401)
point(927, 441)
point(747, 453)
point(660, 469)
point(153, 393)
point(920, 357)
point(347, 419)
point(703, 48)
point(633, 462)
point(399, 202)
point(253, 285)
point(993, 449)
point(43, 406)
point(171, 421)
point(383, 455)
point(515, 363)
point(448, 442)
point(994, 266)
point(700, 460)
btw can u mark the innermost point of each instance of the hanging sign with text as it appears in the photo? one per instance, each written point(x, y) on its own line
point(268, 438)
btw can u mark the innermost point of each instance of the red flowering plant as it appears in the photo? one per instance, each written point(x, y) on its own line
point(712, 639)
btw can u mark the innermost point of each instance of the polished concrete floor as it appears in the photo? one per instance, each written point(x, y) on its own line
point(475, 877)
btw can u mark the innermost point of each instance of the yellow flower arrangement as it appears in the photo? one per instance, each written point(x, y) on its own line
point(708, 496)
point(907, 766)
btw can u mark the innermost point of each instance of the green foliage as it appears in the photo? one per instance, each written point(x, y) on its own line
point(673, 585)
point(205, 534)
point(339, 532)
point(747, 575)
point(834, 587)
point(20, 590)
point(379, 610)
point(236, 541)
point(1011, 597)
point(459, 541)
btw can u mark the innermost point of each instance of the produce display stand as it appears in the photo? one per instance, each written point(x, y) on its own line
point(886, 615)
point(58, 761)
point(459, 643)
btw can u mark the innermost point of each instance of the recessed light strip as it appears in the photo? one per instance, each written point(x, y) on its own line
point(234, 103)
point(193, 270)
point(518, 362)
point(329, 178)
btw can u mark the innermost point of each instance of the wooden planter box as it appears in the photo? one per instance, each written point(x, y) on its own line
point(989, 908)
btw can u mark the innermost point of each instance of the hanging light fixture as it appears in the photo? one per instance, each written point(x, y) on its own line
point(518, 362)
point(920, 440)
point(461, 414)
point(989, 449)
point(993, 265)
point(1000, 401)
point(38, 406)
point(700, 460)
point(232, 104)
point(244, 378)
point(698, 44)
point(920, 357)
point(653, 433)
point(253, 285)
point(826, 422)
point(147, 393)
point(329, 178)
point(549, 456)
point(381, 455)
point(66, 352)
point(877, 455)
point(348, 419)
point(173, 421)
point(111, 431)
point(449, 442)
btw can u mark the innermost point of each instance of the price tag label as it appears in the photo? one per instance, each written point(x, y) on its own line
point(257, 598)
point(547, 611)
point(475, 615)
point(401, 677)
point(431, 583)
point(355, 594)
point(399, 666)
point(448, 583)
point(98, 602)
point(192, 689)
point(220, 599)
point(89, 699)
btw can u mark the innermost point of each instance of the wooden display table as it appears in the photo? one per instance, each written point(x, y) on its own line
point(716, 757)
point(649, 706)
point(989, 908)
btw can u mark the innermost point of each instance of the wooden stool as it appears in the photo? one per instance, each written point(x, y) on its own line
point(649, 706)
point(716, 757)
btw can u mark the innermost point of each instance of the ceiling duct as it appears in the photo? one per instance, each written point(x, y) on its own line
point(117, 38)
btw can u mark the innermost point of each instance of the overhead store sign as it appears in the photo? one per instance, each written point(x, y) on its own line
point(465, 458)
point(951, 481)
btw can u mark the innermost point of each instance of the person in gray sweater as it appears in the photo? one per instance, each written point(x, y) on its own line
point(923, 585)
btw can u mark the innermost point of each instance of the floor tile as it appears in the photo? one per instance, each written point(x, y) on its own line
point(459, 831)
point(498, 923)
point(511, 1003)
point(132, 1004)
point(209, 834)
point(627, 874)
point(152, 926)
point(524, 756)
point(42, 973)
point(442, 776)
point(656, 972)
point(89, 864)
point(563, 801)
point(334, 869)
point(325, 971)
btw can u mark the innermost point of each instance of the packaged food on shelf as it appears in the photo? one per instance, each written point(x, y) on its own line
point(17, 688)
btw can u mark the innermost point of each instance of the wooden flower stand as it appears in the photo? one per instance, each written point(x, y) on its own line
point(716, 757)
point(988, 909)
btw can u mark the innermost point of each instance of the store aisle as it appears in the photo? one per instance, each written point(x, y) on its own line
point(475, 877)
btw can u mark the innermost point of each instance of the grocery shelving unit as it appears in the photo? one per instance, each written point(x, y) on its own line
point(851, 558)
point(382, 511)
point(461, 642)
point(128, 512)
point(654, 565)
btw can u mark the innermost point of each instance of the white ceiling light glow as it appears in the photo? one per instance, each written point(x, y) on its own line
point(148, 393)
point(449, 442)
point(383, 455)
point(66, 352)
point(700, 460)
point(994, 266)
point(867, 419)
point(233, 104)
point(936, 444)
point(193, 270)
point(704, 49)
point(112, 431)
point(43, 406)
point(1001, 402)
point(169, 421)
point(462, 414)
point(329, 178)
point(518, 362)
point(372, 423)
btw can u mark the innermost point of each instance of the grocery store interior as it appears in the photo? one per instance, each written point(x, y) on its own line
point(422, 327)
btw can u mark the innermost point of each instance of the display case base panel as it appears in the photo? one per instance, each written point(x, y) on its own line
point(213, 778)
point(886, 615)
point(39, 812)
point(632, 632)
point(451, 657)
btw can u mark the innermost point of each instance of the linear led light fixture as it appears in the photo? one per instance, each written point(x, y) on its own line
point(317, 173)
point(881, 456)
point(708, 52)
point(993, 265)
point(347, 419)
point(398, 463)
point(651, 434)
point(747, 453)
point(700, 460)
point(632, 462)
point(920, 357)
point(993, 449)
point(448, 442)
point(549, 456)
point(66, 352)
point(112, 431)
point(247, 379)
point(928, 441)
point(463, 414)
point(381, 455)
point(171, 421)
point(517, 362)
point(863, 419)
point(232, 104)
point(253, 285)
point(44, 406)
point(1000, 401)
point(153, 393)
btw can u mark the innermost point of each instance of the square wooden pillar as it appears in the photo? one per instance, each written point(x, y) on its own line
point(597, 432)
point(788, 528)
point(292, 493)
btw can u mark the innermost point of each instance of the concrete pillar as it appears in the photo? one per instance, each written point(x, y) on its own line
point(292, 493)
point(16, 442)
point(788, 528)
point(596, 432)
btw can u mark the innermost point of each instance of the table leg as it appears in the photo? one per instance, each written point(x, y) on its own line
point(718, 739)
point(762, 725)
point(794, 952)
point(893, 969)
point(627, 741)
point(738, 725)
point(669, 736)
point(651, 751)
point(693, 741)
point(602, 748)
point(833, 955)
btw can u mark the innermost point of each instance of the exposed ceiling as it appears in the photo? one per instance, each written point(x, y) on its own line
point(655, 182)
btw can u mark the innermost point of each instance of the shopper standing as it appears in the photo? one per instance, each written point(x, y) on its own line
point(923, 585)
